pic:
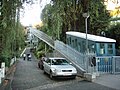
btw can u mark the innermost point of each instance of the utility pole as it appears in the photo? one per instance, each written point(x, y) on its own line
point(86, 16)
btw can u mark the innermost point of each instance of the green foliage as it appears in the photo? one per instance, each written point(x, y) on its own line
point(66, 15)
point(39, 54)
point(99, 17)
point(114, 32)
point(11, 31)
point(43, 49)
point(61, 17)
point(40, 50)
point(5, 57)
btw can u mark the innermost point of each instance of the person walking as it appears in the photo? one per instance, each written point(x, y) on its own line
point(40, 63)
point(29, 57)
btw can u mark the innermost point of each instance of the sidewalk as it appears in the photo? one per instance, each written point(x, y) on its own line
point(109, 80)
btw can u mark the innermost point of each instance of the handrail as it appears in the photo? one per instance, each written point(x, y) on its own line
point(74, 56)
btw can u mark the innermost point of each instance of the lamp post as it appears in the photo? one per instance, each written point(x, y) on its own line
point(86, 16)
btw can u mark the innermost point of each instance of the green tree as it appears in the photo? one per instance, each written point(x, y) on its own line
point(11, 32)
point(99, 17)
point(62, 16)
point(114, 32)
point(59, 17)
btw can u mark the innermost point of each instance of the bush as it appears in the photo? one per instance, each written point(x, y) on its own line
point(40, 54)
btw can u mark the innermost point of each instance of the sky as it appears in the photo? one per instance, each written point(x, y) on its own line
point(32, 13)
point(112, 4)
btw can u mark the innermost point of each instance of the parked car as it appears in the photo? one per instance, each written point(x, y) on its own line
point(59, 67)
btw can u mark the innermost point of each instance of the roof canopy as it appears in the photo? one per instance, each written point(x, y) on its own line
point(90, 37)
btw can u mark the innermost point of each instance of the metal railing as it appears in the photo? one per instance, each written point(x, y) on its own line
point(108, 64)
point(82, 61)
point(44, 37)
point(78, 59)
point(116, 64)
point(104, 64)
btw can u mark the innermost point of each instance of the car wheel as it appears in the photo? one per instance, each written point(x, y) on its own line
point(73, 77)
point(51, 76)
point(42, 67)
point(44, 71)
point(39, 65)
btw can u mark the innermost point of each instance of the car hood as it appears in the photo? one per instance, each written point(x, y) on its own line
point(63, 67)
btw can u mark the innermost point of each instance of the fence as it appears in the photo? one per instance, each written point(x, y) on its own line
point(108, 64)
point(82, 61)
point(104, 64)
point(116, 64)
point(79, 59)
point(86, 62)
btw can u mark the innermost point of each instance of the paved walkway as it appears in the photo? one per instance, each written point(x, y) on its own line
point(110, 80)
point(27, 76)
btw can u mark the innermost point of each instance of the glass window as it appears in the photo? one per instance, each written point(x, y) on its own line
point(79, 47)
point(92, 47)
point(110, 48)
point(75, 42)
point(102, 48)
point(59, 62)
point(83, 49)
point(70, 39)
point(48, 61)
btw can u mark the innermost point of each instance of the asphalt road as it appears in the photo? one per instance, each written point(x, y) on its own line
point(28, 76)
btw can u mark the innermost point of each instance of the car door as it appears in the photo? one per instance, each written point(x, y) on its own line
point(47, 65)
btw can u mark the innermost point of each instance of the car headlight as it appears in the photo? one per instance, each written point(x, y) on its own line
point(75, 70)
point(56, 70)
point(53, 70)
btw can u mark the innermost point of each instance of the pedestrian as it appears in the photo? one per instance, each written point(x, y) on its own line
point(24, 56)
point(41, 62)
point(29, 57)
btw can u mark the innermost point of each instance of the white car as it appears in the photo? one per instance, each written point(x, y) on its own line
point(59, 67)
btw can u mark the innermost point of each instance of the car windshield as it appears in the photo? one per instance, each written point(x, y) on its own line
point(59, 62)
